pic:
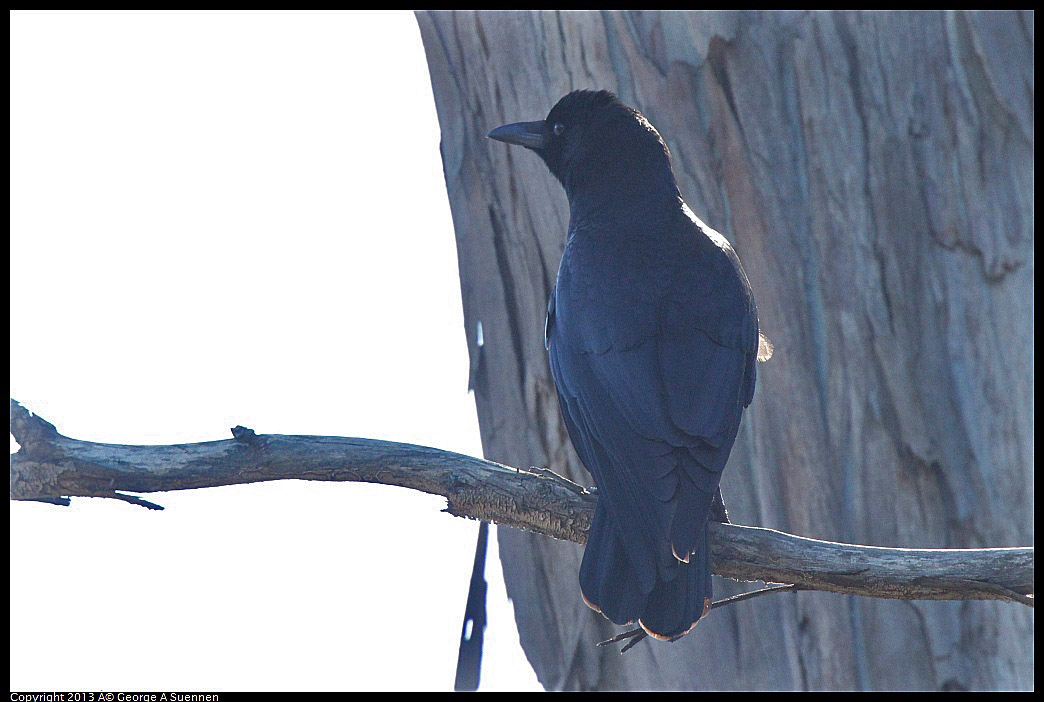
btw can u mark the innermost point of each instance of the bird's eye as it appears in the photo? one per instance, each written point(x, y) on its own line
point(558, 128)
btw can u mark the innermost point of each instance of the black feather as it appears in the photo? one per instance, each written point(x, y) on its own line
point(652, 334)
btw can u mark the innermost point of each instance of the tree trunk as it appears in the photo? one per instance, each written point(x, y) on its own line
point(874, 171)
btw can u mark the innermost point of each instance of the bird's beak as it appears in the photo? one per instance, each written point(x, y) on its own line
point(532, 135)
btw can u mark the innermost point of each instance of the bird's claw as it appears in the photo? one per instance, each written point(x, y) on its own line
point(635, 635)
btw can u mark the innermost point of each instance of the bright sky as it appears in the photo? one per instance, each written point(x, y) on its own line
point(229, 218)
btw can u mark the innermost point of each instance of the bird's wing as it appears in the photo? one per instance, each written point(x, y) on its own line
point(654, 417)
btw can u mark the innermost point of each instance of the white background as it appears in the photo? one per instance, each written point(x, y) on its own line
point(238, 218)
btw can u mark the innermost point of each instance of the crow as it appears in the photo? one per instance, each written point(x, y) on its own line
point(652, 336)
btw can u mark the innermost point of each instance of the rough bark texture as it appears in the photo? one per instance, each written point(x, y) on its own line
point(874, 172)
point(51, 467)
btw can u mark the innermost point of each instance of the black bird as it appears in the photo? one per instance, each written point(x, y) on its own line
point(652, 335)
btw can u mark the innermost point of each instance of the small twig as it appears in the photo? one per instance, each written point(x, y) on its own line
point(1008, 594)
point(639, 634)
point(61, 501)
point(130, 499)
point(248, 436)
point(135, 500)
point(754, 593)
point(561, 480)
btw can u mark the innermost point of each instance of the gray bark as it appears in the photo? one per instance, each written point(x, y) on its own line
point(51, 467)
point(874, 172)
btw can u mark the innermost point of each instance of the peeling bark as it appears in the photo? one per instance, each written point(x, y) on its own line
point(874, 172)
point(51, 467)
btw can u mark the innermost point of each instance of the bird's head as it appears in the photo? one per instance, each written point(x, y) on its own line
point(595, 144)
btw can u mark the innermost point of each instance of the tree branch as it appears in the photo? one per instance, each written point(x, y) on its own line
point(49, 467)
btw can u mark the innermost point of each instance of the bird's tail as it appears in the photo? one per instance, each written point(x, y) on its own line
point(682, 596)
point(666, 605)
point(608, 582)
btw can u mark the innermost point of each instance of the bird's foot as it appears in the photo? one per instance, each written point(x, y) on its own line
point(635, 635)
